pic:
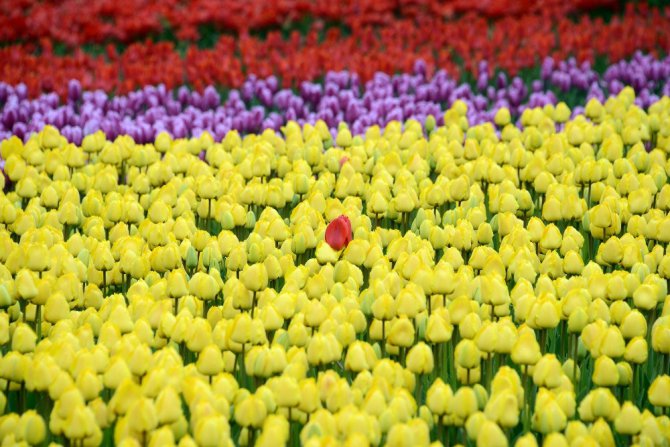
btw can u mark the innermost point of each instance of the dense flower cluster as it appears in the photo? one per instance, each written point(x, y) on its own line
point(105, 20)
point(510, 43)
point(262, 104)
point(453, 283)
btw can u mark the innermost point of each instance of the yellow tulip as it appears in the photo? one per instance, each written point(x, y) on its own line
point(420, 359)
point(659, 391)
point(251, 412)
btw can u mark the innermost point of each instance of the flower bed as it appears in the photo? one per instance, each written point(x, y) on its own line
point(460, 283)
point(510, 43)
point(105, 21)
point(262, 104)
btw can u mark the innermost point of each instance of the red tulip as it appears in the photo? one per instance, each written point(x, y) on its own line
point(338, 233)
point(509, 35)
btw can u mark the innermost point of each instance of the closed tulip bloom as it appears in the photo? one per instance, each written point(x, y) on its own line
point(315, 313)
point(544, 314)
point(140, 360)
point(629, 420)
point(254, 277)
point(613, 344)
point(286, 391)
point(611, 251)
point(577, 320)
point(203, 286)
point(464, 403)
point(360, 357)
point(323, 349)
point(251, 412)
point(37, 257)
point(660, 335)
point(384, 307)
point(56, 308)
point(237, 258)
point(401, 333)
point(548, 416)
point(503, 408)
point(210, 361)
point(548, 372)
point(168, 406)
point(599, 403)
point(636, 350)
point(605, 372)
point(526, 350)
point(645, 297)
point(467, 355)
point(23, 339)
point(633, 325)
point(80, 423)
point(502, 117)
point(26, 284)
point(601, 216)
point(490, 434)
point(102, 257)
point(659, 391)
point(177, 283)
point(459, 189)
point(573, 263)
point(438, 397)
point(89, 384)
point(438, 329)
point(142, 415)
point(212, 430)
point(420, 359)
point(470, 325)
point(31, 428)
point(639, 201)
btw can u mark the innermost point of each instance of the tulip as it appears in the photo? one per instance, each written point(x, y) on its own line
point(210, 361)
point(251, 412)
point(142, 416)
point(658, 391)
point(338, 233)
point(605, 372)
point(629, 420)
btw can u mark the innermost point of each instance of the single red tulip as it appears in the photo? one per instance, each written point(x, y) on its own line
point(338, 233)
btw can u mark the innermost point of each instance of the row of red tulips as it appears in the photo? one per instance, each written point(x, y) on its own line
point(105, 20)
point(511, 44)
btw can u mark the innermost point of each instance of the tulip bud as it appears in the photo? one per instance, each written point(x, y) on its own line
point(659, 391)
point(605, 372)
point(467, 355)
point(23, 339)
point(255, 277)
point(251, 412)
point(629, 420)
point(210, 361)
point(420, 359)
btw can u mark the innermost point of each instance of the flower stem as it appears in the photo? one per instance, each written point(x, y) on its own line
point(38, 322)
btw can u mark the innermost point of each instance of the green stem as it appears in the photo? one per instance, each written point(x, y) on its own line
point(104, 282)
point(383, 343)
point(38, 322)
point(575, 354)
point(253, 305)
point(417, 390)
point(543, 340)
point(526, 395)
point(489, 371)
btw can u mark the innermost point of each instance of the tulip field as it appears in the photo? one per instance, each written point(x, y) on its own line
point(318, 223)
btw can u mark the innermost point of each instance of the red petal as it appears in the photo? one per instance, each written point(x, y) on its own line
point(338, 233)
